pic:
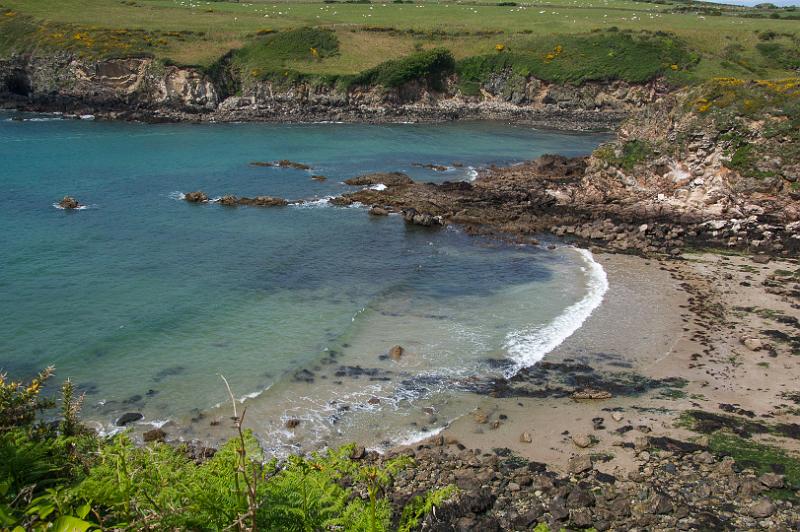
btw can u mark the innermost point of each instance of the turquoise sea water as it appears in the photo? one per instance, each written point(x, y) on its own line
point(143, 299)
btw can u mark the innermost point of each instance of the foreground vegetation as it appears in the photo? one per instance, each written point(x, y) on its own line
point(347, 41)
point(60, 476)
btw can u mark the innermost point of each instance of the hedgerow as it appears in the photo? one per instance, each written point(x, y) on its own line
point(431, 66)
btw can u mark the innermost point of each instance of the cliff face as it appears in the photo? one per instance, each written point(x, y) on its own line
point(142, 88)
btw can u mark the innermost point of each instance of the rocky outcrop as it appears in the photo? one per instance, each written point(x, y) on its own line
point(69, 203)
point(146, 89)
point(390, 179)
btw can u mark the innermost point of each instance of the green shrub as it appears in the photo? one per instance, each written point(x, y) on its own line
point(604, 56)
point(431, 66)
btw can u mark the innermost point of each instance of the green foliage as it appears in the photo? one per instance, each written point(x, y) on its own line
point(75, 481)
point(787, 56)
point(268, 55)
point(763, 458)
point(421, 505)
point(627, 156)
point(576, 59)
point(432, 66)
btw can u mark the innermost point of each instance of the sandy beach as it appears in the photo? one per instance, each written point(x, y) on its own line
point(655, 323)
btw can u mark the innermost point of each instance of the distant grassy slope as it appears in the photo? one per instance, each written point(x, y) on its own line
point(199, 32)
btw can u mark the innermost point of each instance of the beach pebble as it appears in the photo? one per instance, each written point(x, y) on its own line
point(617, 416)
point(753, 344)
point(396, 352)
point(762, 508)
point(582, 440)
point(525, 437)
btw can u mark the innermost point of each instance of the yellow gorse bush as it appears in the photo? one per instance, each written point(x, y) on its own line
point(19, 401)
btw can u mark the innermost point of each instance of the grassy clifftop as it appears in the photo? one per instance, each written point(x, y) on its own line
point(331, 39)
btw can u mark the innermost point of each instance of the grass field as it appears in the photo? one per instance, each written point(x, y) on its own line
point(725, 41)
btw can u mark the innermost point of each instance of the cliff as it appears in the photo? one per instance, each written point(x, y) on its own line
point(146, 89)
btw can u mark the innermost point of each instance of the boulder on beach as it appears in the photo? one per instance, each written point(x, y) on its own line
point(390, 179)
point(196, 197)
point(69, 203)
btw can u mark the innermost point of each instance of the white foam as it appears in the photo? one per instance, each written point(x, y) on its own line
point(527, 347)
point(378, 187)
point(472, 173)
point(308, 204)
point(86, 117)
point(253, 395)
point(177, 195)
point(419, 435)
point(78, 208)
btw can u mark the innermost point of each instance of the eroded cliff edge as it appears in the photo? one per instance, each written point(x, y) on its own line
point(147, 89)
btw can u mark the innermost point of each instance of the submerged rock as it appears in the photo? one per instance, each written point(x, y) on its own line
point(69, 203)
point(128, 417)
point(319, 178)
point(283, 163)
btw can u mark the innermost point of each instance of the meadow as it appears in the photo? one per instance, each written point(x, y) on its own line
point(723, 41)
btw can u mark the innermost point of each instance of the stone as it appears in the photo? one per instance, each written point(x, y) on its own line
point(378, 211)
point(771, 480)
point(753, 344)
point(480, 416)
point(128, 417)
point(154, 435)
point(292, 423)
point(581, 517)
point(582, 440)
point(525, 437)
point(762, 508)
point(396, 352)
point(69, 203)
point(617, 416)
point(358, 452)
point(196, 197)
point(318, 177)
point(374, 401)
point(579, 464)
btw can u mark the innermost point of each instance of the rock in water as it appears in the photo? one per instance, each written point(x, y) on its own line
point(390, 179)
point(396, 352)
point(318, 177)
point(128, 417)
point(196, 197)
point(69, 203)
point(292, 423)
point(378, 211)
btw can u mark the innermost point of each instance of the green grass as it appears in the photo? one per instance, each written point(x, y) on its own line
point(370, 34)
point(760, 457)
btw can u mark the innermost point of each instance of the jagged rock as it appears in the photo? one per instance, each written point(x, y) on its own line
point(196, 197)
point(263, 201)
point(69, 203)
point(378, 211)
